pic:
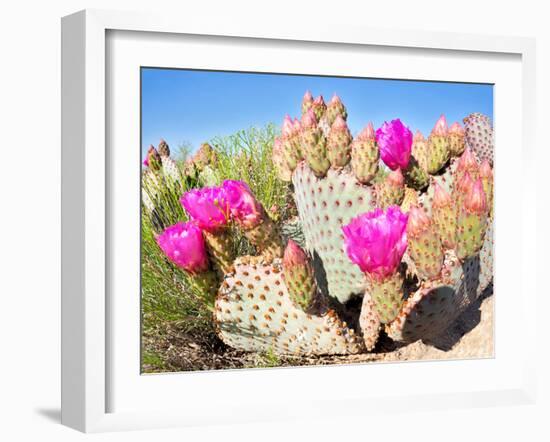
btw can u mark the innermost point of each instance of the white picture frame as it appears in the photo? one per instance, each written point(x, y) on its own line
point(86, 215)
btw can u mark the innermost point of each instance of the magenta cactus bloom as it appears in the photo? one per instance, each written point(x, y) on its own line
point(377, 240)
point(395, 142)
point(208, 207)
point(244, 207)
point(183, 244)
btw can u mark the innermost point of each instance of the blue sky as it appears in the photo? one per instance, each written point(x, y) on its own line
point(184, 106)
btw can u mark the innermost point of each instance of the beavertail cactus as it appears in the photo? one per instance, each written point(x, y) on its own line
point(402, 222)
point(479, 136)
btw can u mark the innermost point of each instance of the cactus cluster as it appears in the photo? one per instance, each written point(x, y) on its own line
point(403, 222)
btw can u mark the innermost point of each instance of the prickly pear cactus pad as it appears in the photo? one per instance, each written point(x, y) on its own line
point(254, 312)
point(437, 303)
point(324, 205)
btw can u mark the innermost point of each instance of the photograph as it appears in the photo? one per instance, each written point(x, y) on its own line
point(302, 220)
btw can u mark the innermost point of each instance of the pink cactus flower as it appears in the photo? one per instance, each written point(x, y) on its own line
point(394, 141)
point(367, 133)
point(441, 128)
point(183, 244)
point(146, 162)
point(456, 129)
point(294, 255)
point(376, 241)
point(244, 207)
point(208, 207)
point(475, 201)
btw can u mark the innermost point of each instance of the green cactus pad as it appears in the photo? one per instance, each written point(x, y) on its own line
point(436, 304)
point(254, 312)
point(324, 205)
point(479, 136)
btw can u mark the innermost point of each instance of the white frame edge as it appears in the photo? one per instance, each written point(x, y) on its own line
point(84, 382)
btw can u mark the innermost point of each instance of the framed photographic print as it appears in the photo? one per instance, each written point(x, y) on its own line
point(269, 210)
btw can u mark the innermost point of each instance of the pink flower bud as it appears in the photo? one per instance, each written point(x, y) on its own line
point(440, 127)
point(335, 101)
point(307, 97)
point(294, 255)
point(319, 101)
point(475, 201)
point(244, 207)
point(296, 126)
point(456, 129)
point(485, 170)
point(288, 127)
point(394, 141)
point(183, 244)
point(441, 197)
point(418, 222)
point(377, 240)
point(152, 159)
point(367, 133)
point(208, 207)
point(395, 178)
point(418, 137)
point(467, 161)
point(339, 124)
point(309, 120)
point(465, 183)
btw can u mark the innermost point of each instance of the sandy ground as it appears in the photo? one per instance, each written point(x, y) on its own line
point(471, 336)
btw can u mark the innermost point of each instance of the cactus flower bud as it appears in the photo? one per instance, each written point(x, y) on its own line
point(163, 149)
point(283, 170)
point(208, 207)
point(309, 120)
point(394, 141)
point(288, 127)
point(365, 155)
point(456, 139)
point(152, 159)
point(441, 197)
point(245, 209)
point(418, 222)
point(424, 244)
point(338, 143)
point(438, 152)
point(391, 190)
point(319, 107)
point(376, 241)
point(296, 126)
point(440, 127)
point(475, 200)
point(444, 215)
point(472, 222)
point(465, 184)
point(468, 163)
point(486, 175)
point(335, 107)
point(183, 244)
point(298, 275)
point(456, 129)
point(294, 255)
point(307, 102)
